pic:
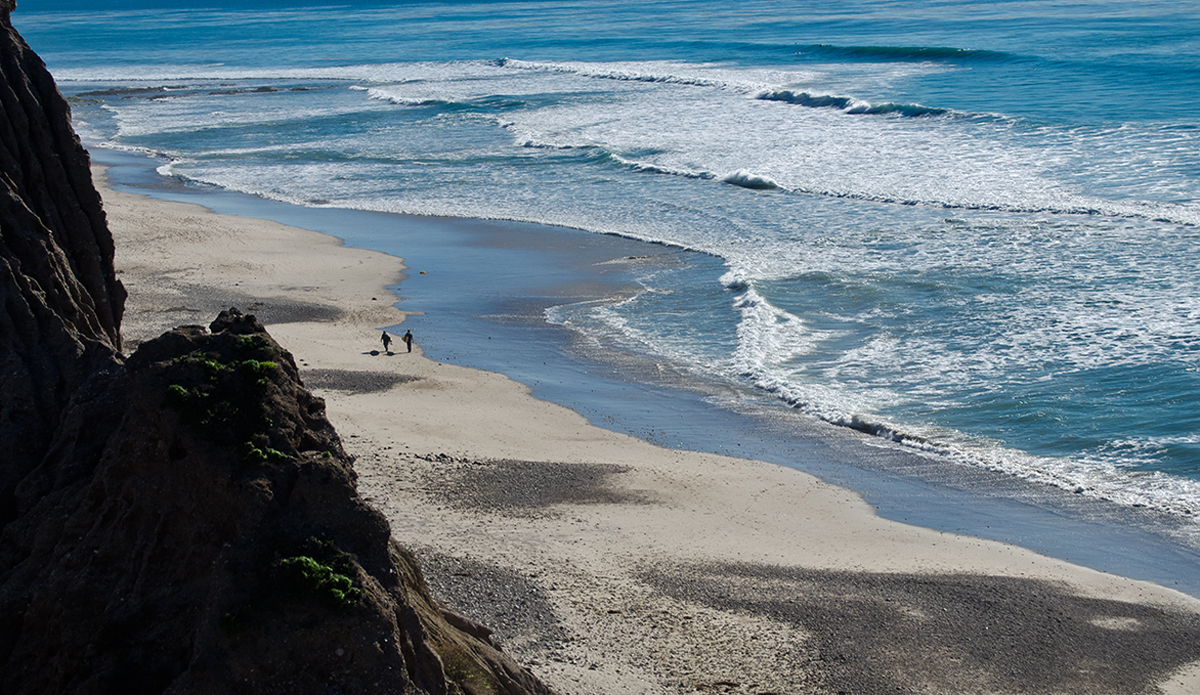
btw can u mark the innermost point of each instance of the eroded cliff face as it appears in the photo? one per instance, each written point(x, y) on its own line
point(184, 520)
point(62, 303)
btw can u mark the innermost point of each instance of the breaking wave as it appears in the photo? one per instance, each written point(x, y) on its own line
point(850, 105)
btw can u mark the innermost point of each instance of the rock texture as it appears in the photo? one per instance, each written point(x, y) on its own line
point(62, 303)
point(184, 520)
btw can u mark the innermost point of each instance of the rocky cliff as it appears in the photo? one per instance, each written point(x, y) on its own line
point(184, 520)
point(62, 303)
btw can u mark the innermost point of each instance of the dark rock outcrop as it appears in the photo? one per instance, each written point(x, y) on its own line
point(184, 520)
point(62, 303)
point(219, 545)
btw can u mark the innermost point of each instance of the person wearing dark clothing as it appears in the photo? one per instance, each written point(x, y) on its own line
point(408, 339)
point(387, 341)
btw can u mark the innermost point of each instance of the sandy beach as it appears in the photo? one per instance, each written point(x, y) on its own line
point(609, 565)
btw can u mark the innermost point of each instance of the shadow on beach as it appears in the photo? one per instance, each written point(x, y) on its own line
point(953, 633)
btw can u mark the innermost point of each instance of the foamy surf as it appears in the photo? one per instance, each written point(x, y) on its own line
point(930, 244)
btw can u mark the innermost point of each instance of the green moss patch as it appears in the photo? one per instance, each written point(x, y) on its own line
point(307, 575)
point(316, 568)
point(221, 391)
point(319, 568)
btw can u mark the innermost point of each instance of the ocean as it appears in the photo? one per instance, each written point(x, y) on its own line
point(969, 231)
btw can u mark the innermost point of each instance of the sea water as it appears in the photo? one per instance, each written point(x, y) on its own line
point(970, 228)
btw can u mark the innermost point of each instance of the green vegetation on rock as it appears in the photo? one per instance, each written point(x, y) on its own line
point(304, 574)
point(323, 569)
point(314, 568)
point(221, 392)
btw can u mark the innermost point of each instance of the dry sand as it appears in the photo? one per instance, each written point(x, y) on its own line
point(609, 565)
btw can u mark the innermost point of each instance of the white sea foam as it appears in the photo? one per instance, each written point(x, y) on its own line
point(1012, 246)
point(216, 72)
point(689, 74)
point(708, 120)
point(747, 179)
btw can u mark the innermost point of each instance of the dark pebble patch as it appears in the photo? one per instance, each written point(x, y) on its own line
point(904, 633)
point(522, 488)
point(351, 381)
point(510, 603)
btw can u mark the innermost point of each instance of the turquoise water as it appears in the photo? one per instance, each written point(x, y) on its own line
point(968, 227)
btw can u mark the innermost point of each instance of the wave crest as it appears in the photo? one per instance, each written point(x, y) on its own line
point(850, 105)
point(746, 179)
point(631, 72)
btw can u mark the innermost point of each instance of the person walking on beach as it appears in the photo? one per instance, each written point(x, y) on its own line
point(387, 341)
point(407, 338)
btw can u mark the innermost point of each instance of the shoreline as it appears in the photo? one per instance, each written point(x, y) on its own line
point(478, 307)
point(604, 555)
